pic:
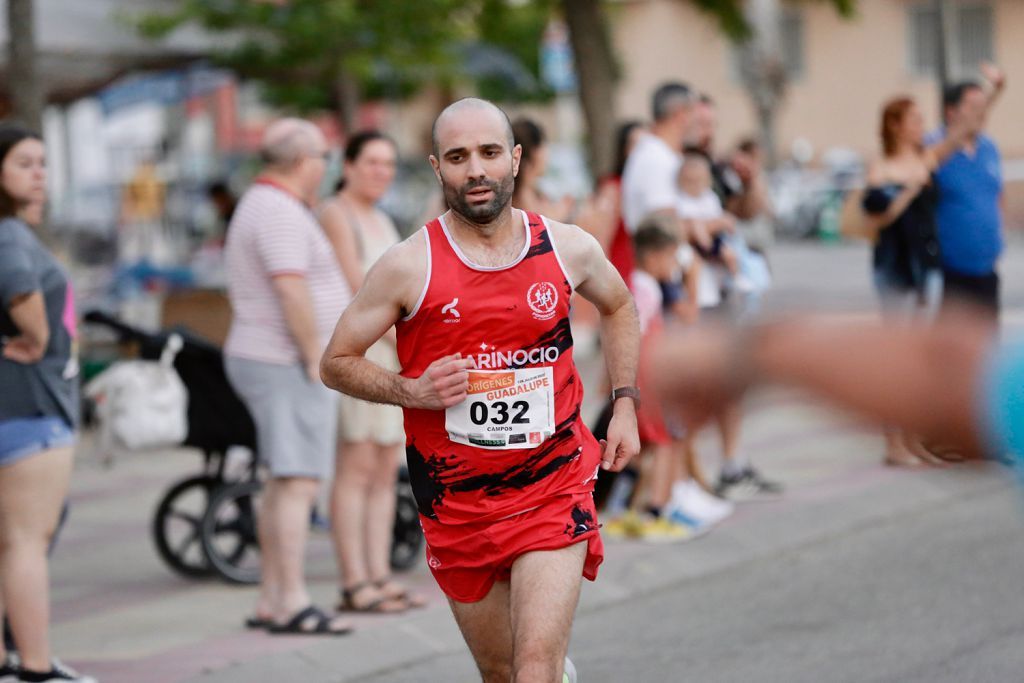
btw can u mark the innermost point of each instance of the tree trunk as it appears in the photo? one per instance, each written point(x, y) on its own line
point(595, 73)
point(763, 71)
point(346, 100)
point(26, 91)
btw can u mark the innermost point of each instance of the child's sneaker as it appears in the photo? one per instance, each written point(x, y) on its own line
point(663, 530)
point(58, 673)
point(627, 525)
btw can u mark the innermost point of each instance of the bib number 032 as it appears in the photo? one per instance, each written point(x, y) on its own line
point(498, 413)
point(504, 409)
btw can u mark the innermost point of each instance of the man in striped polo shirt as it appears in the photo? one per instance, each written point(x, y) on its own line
point(287, 290)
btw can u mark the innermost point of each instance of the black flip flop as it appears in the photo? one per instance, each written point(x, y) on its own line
point(295, 625)
point(258, 623)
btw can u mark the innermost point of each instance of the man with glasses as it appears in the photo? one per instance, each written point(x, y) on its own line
point(286, 290)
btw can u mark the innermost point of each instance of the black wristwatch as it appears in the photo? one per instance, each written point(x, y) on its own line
point(626, 392)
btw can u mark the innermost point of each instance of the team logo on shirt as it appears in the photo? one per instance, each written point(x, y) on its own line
point(542, 297)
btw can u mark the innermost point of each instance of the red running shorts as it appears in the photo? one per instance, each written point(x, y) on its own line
point(467, 559)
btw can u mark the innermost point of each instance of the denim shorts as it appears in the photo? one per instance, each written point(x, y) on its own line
point(25, 436)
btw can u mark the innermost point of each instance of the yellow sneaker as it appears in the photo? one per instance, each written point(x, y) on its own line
point(629, 525)
point(662, 530)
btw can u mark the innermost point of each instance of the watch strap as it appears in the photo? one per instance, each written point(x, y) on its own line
point(626, 392)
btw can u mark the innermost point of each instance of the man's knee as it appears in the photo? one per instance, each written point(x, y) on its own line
point(495, 670)
point(296, 487)
point(541, 667)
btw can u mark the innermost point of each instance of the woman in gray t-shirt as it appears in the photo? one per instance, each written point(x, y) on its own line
point(38, 396)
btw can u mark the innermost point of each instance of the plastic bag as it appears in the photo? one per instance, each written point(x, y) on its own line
point(142, 404)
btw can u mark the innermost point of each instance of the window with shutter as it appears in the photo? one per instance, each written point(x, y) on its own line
point(974, 38)
point(971, 40)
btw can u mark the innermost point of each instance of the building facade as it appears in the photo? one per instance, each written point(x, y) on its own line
point(841, 70)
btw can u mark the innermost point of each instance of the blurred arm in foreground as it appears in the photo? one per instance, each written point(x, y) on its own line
point(948, 383)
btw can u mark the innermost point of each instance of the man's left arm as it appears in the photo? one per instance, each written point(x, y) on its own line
point(597, 281)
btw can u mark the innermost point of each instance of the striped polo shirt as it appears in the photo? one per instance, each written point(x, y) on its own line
point(273, 233)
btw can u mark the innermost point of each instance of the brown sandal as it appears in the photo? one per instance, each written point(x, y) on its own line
point(411, 600)
point(384, 604)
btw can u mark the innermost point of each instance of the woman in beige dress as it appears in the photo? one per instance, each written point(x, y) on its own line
point(371, 435)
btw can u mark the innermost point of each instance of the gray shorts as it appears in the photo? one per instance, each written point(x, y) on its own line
point(296, 419)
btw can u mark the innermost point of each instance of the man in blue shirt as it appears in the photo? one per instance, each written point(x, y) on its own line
point(970, 194)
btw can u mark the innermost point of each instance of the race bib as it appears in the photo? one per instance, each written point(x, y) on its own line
point(504, 409)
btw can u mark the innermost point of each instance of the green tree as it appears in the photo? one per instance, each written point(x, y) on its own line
point(329, 54)
point(512, 33)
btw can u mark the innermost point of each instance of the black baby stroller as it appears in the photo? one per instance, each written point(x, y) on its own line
point(205, 524)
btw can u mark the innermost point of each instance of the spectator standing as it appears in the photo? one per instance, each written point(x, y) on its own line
point(371, 434)
point(751, 204)
point(900, 202)
point(970, 186)
point(649, 176)
point(607, 205)
point(532, 166)
point(38, 409)
point(738, 479)
point(286, 290)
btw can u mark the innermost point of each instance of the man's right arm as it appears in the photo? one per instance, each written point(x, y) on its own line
point(378, 305)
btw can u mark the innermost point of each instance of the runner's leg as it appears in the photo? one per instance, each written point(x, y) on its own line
point(545, 589)
point(487, 629)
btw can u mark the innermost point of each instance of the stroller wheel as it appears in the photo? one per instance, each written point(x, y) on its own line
point(176, 525)
point(407, 537)
point(228, 532)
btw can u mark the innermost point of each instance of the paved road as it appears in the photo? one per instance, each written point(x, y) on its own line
point(861, 573)
point(928, 592)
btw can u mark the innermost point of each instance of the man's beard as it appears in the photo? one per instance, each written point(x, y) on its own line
point(480, 213)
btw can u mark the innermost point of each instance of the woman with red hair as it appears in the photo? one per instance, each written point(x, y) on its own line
point(900, 203)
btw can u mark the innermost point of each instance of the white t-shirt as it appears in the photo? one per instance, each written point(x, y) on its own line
point(704, 207)
point(648, 297)
point(273, 233)
point(649, 180)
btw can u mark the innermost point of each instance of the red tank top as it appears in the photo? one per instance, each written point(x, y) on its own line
point(518, 437)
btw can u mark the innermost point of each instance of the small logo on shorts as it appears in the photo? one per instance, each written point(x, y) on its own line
point(433, 562)
point(450, 310)
point(542, 298)
point(582, 522)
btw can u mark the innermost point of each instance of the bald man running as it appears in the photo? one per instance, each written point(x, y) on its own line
point(502, 467)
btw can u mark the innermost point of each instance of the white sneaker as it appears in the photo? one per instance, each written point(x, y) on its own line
point(696, 503)
point(717, 507)
point(568, 672)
